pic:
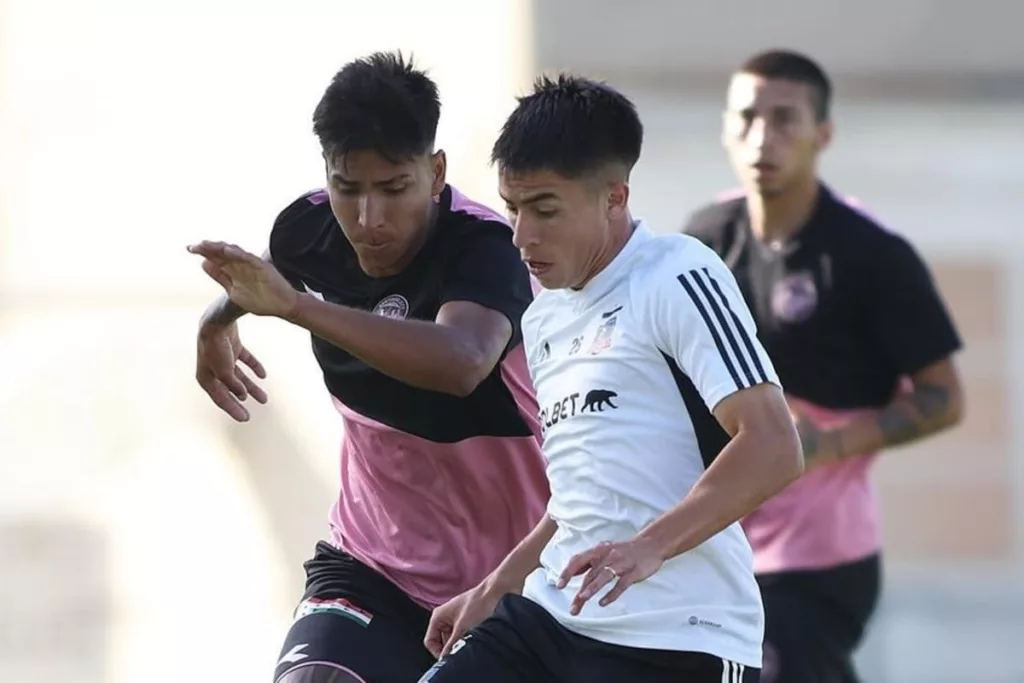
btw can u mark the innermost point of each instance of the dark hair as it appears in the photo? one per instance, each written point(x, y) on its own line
point(792, 66)
point(380, 103)
point(572, 126)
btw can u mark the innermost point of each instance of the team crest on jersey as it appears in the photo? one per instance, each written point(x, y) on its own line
point(605, 332)
point(392, 306)
point(338, 606)
point(795, 297)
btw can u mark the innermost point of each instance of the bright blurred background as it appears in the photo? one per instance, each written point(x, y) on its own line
point(146, 537)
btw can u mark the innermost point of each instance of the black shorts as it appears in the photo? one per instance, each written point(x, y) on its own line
point(815, 619)
point(356, 622)
point(522, 643)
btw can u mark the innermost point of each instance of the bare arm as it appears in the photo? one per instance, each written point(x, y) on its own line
point(510, 575)
point(452, 355)
point(761, 459)
point(935, 403)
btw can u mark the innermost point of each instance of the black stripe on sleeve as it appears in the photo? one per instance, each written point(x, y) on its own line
point(726, 327)
point(730, 366)
point(744, 335)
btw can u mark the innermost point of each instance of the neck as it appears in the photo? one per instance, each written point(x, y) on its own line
point(779, 217)
point(619, 235)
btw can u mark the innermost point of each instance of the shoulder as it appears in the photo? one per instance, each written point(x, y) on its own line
point(674, 269)
point(300, 224)
point(469, 225)
point(710, 222)
point(861, 235)
point(667, 257)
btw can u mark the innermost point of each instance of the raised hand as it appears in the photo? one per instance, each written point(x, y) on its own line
point(251, 282)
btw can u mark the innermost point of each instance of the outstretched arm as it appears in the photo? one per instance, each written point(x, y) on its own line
point(485, 289)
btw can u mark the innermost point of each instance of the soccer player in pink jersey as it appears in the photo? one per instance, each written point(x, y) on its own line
point(413, 296)
point(848, 313)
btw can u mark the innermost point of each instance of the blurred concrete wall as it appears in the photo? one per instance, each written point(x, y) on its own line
point(907, 48)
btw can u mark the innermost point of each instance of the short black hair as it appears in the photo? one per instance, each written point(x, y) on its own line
point(380, 103)
point(572, 126)
point(788, 65)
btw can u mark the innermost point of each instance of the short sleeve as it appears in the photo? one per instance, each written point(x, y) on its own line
point(485, 268)
point(908, 316)
point(291, 235)
point(699, 319)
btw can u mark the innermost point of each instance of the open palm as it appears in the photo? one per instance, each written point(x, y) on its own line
point(251, 282)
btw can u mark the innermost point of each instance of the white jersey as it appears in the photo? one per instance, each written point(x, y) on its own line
point(627, 371)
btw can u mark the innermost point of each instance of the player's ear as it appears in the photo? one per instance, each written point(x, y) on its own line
point(618, 199)
point(440, 164)
point(825, 132)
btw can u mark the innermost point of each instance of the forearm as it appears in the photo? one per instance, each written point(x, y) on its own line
point(927, 410)
point(524, 558)
point(419, 353)
point(744, 475)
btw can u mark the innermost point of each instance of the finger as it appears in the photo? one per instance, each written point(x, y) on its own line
point(453, 636)
point(577, 565)
point(236, 253)
point(208, 248)
point(436, 637)
point(599, 578)
point(218, 273)
point(246, 357)
point(224, 400)
point(624, 582)
point(251, 388)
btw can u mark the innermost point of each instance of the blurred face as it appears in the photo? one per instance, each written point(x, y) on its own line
point(563, 227)
point(771, 133)
point(385, 209)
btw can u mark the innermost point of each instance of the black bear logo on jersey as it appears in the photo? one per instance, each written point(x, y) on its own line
point(597, 399)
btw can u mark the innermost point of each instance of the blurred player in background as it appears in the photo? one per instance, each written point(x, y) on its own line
point(664, 425)
point(847, 311)
point(413, 295)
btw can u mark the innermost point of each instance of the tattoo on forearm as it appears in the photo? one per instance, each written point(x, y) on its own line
point(914, 416)
point(809, 437)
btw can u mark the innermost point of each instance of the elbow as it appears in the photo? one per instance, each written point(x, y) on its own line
point(788, 457)
point(467, 374)
point(955, 413)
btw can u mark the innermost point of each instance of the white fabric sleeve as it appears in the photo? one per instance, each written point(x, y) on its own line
point(699, 319)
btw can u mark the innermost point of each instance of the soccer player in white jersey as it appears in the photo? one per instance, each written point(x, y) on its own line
point(664, 424)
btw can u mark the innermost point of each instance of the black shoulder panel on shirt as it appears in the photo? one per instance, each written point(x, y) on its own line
point(713, 223)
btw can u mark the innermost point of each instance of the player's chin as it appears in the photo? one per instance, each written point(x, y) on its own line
point(376, 262)
point(550, 278)
point(768, 184)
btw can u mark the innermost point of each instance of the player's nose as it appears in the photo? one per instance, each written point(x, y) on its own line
point(524, 234)
point(371, 212)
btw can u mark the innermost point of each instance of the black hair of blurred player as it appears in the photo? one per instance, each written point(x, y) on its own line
point(776, 122)
point(564, 157)
point(376, 123)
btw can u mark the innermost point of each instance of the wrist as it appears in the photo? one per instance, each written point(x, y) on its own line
point(296, 311)
point(658, 541)
point(500, 582)
point(210, 326)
